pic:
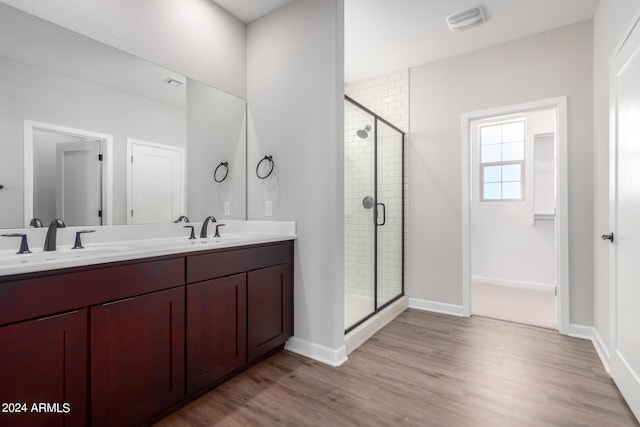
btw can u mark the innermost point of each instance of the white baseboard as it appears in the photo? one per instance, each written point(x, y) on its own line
point(436, 307)
point(590, 333)
point(581, 331)
point(362, 333)
point(330, 356)
point(602, 350)
point(532, 286)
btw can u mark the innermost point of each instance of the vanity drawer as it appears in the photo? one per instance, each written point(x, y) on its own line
point(29, 298)
point(219, 264)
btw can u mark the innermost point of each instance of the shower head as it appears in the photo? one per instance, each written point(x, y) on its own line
point(364, 133)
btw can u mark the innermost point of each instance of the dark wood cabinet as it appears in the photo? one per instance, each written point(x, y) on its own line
point(269, 309)
point(216, 329)
point(44, 361)
point(123, 343)
point(137, 357)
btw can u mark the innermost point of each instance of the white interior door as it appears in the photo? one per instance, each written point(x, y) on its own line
point(78, 183)
point(156, 183)
point(625, 216)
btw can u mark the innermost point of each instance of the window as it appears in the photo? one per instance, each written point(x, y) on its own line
point(502, 161)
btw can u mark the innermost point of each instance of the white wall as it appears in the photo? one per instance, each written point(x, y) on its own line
point(610, 23)
point(294, 91)
point(507, 246)
point(546, 65)
point(32, 93)
point(192, 37)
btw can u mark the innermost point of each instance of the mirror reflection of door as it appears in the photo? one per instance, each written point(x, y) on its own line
point(78, 191)
point(67, 178)
point(155, 183)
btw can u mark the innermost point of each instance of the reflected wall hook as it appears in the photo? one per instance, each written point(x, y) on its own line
point(226, 172)
point(270, 160)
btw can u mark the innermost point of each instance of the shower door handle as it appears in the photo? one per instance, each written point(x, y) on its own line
point(384, 214)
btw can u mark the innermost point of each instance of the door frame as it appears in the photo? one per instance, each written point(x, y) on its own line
point(106, 141)
point(562, 217)
point(181, 150)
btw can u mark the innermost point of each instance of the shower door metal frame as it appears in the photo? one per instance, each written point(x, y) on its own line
point(377, 309)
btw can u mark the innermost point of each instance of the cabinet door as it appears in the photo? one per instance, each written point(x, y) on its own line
point(269, 308)
point(44, 361)
point(137, 357)
point(216, 329)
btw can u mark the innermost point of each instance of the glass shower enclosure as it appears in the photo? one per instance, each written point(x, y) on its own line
point(374, 213)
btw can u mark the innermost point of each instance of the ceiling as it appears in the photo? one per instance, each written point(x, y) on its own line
point(250, 10)
point(388, 35)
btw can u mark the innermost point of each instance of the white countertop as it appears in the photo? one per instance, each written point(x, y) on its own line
point(136, 242)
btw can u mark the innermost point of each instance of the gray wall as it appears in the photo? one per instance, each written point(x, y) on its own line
point(546, 65)
point(192, 37)
point(610, 23)
point(44, 96)
point(216, 132)
point(295, 98)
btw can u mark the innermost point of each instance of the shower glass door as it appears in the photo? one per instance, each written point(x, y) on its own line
point(389, 190)
point(374, 212)
point(359, 233)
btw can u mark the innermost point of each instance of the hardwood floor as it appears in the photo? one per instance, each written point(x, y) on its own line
point(425, 369)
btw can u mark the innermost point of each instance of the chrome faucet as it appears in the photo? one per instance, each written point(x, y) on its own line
point(52, 233)
point(205, 223)
point(182, 218)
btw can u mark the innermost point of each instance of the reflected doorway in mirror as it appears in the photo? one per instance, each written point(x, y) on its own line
point(68, 174)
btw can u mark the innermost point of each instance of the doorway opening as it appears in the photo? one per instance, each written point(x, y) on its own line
point(68, 174)
point(515, 238)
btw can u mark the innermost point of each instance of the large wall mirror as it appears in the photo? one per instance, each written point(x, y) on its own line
point(97, 136)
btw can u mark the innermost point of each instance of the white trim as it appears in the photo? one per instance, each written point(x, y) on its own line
point(590, 333)
point(363, 332)
point(561, 223)
point(329, 356)
point(602, 350)
point(107, 165)
point(581, 331)
point(437, 307)
point(532, 286)
point(181, 150)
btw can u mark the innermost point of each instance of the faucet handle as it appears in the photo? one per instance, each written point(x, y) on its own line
point(218, 230)
point(24, 245)
point(78, 243)
point(36, 223)
point(193, 234)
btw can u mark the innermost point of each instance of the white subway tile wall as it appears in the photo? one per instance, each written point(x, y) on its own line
point(387, 96)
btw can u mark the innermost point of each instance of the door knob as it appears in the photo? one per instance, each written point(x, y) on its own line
point(607, 237)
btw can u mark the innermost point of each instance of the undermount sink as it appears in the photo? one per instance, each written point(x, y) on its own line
point(201, 242)
point(61, 254)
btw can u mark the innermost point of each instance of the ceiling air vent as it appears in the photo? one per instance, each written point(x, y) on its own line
point(465, 19)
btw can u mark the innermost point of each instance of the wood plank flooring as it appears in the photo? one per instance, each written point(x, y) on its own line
point(425, 369)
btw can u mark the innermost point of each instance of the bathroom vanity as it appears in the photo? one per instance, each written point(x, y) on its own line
point(125, 342)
